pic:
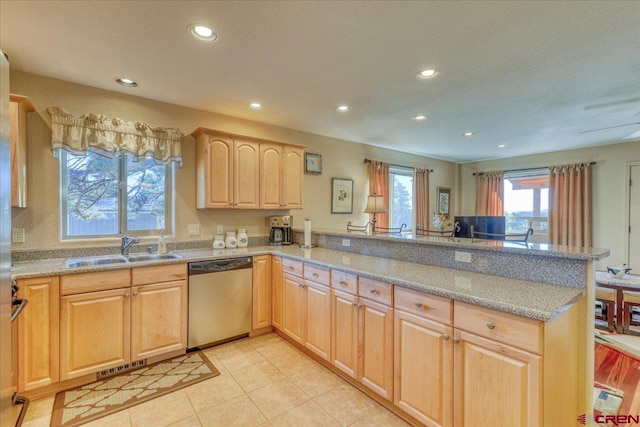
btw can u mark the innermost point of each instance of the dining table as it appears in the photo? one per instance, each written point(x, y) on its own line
point(628, 282)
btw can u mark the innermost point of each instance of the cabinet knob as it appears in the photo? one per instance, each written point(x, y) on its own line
point(456, 340)
point(315, 275)
point(126, 295)
point(491, 325)
point(445, 337)
point(343, 283)
point(255, 261)
point(302, 285)
point(135, 294)
point(290, 268)
point(419, 306)
point(373, 291)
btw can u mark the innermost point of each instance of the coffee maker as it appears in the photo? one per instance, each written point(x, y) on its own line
point(280, 231)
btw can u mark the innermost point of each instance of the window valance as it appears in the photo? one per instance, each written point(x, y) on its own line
point(113, 137)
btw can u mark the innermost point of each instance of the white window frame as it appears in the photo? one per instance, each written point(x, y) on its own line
point(122, 203)
point(406, 171)
point(521, 173)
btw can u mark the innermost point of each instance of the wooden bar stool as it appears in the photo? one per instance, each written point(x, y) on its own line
point(605, 308)
point(631, 312)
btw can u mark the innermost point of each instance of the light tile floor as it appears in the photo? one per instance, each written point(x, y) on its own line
point(263, 381)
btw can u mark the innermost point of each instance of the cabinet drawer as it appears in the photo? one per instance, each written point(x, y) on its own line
point(376, 291)
point(317, 274)
point(157, 274)
point(90, 282)
point(424, 305)
point(292, 266)
point(344, 282)
point(507, 328)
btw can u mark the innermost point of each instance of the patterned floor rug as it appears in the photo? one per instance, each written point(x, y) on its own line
point(86, 403)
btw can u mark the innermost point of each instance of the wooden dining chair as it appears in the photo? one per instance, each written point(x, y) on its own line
point(631, 312)
point(605, 308)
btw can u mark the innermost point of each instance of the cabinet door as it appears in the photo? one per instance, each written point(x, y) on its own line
point(318, 319)
point(261, 292)
point(276, 283)
point(158, 319)
point(495, 385)
point(271, 176)
point(376, 343)
point(292, 307)
point(94, 332)
point(292, 178)
point(423, 360)
point(344, 337)
point(219, 163)
point(38, 329)
point(246, 175)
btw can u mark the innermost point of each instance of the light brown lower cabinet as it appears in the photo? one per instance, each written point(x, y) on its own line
point(261, 313)
point(276, 289)
point(94, 332)
point(376, 347)
point(38, 333)
point(317, 318)
point(292, 307)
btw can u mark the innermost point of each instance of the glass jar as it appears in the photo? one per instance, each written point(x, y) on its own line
point(243, 239)
point(218, 242)
point(231, 241)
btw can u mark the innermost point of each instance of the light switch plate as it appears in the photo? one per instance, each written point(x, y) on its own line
point(193, 229)
point(219, 229)
point(17, 235)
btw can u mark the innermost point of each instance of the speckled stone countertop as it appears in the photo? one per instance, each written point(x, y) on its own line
point(536, 249)
point(531, 299)
point(631, 280)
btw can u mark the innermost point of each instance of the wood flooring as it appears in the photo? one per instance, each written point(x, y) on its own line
point(621, 371)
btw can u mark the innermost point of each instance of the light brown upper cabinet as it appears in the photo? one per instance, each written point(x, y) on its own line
point(246, 173)
point(19, 106)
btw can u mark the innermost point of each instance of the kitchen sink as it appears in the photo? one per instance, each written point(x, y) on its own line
point(154, 257)
point(90, 261)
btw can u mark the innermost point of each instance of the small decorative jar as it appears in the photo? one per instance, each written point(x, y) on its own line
point(231, 241)
point(243, 239)
point(218, 242)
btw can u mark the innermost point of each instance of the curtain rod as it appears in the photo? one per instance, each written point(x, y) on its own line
point(524, 169)
point(398, 166)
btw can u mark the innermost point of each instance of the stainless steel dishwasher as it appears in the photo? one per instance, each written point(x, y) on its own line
point(219, 301)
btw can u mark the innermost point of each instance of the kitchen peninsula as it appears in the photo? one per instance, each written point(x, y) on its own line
point(444, 315)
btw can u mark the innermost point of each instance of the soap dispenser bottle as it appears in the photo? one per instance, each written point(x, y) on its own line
point(162, 244)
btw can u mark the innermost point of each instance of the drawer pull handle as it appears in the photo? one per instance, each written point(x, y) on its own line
point(315, 275)
point(135, 294)
point(491, 325)
point(301, 285)
point(456, 340)
point(445, 337)
point(419, 306)
point(343, 283)
point(290, 268)
point(373, 291)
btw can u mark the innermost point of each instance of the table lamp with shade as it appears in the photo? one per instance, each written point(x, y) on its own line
point(375, 205)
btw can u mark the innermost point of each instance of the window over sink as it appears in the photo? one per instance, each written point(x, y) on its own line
point(526, 201)
point(102, 196)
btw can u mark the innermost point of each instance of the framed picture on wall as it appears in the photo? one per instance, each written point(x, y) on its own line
point(313, 163)
point(444, 200)
point(341, 196)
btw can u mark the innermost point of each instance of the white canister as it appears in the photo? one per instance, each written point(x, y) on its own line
point(231, 241)
point(218, 242)
point(243, 239)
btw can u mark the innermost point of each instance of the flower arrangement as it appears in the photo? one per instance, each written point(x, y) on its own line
point(441, 221)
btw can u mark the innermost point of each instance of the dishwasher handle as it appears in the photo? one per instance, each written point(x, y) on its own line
point(214, 266)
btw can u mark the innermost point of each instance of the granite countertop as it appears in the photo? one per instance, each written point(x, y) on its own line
point(630, 280)
point(535, 300)
point(536, 249)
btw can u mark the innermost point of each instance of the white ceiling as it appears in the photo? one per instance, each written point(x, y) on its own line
point(536, 76)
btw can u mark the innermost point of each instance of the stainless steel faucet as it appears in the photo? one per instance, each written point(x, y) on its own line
point(127, 241)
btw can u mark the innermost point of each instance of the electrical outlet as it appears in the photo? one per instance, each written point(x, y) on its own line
point(463, 256)
point(219, 229)
point(193, 229)
point(17, 235)
point(346, 242)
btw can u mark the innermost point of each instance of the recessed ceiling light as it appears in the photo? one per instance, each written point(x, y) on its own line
point(126, 82)
point(501, 146)
point(427, 74)
point(255, 106)
point(202, 33)
point(343, 108)
point(420, 118)
point(467, 134)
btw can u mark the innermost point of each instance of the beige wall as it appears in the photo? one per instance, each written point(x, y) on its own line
point(340, 158)
point(610, 188)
